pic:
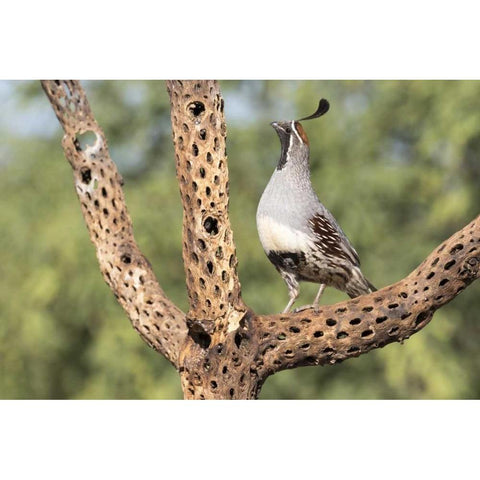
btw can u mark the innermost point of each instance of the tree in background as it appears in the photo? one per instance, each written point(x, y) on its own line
point(412, 146)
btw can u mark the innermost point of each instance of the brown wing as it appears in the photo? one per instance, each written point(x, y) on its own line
point(331, 240)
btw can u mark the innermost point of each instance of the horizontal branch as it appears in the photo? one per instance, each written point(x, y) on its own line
point(392, 314)
point(99, 188)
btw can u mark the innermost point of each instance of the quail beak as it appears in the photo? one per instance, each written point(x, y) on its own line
point(276, 126)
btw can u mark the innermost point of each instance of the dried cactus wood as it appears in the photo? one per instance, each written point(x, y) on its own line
point(221, 348)
point(99, 188)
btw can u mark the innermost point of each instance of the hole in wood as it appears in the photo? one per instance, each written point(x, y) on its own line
point(85, 140)
point(239, 339)
point(456, 249)
point(201, 338)
point(126, 258)
point(421, 317)
point(196, 108)
point(211, 225)
point(86, 174)
point(449, 264)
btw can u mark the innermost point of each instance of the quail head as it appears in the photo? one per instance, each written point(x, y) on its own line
point(299, 235)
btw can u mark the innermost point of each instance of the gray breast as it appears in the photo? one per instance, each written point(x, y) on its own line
point(289, 200)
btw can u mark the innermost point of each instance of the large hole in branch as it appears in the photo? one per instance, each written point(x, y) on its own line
point(85, 140)
point(196, 108)
point(86, 174)
point(211, 225)
point(198, 334)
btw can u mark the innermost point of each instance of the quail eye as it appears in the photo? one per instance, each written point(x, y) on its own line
point(288, 130)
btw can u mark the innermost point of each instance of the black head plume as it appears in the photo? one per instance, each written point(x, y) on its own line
point(322, 109)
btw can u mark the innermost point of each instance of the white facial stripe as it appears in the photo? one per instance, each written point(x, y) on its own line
point(296, 133)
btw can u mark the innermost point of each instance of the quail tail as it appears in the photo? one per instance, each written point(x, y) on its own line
point(370, 286)
point(358, 284)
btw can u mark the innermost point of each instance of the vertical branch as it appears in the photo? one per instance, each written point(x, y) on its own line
point(99, 188)
point(199, 134)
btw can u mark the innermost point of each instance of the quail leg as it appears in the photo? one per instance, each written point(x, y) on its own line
point(315, 303)
point(293, 291)
point(317, 298)
point(293, 297)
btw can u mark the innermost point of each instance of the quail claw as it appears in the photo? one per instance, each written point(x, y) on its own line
point(304, 307)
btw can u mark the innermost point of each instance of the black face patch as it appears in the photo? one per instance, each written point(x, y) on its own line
point(284, 137)
point(286, 260)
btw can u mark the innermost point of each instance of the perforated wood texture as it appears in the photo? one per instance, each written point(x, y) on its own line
point(216, 308)
point(199, 134)
point(99, 188)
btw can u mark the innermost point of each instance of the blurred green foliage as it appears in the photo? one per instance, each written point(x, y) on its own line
point(397, 163)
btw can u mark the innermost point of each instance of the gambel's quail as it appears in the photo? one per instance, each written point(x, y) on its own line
point(299, 235)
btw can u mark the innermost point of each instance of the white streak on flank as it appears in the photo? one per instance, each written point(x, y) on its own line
point(276, 236)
